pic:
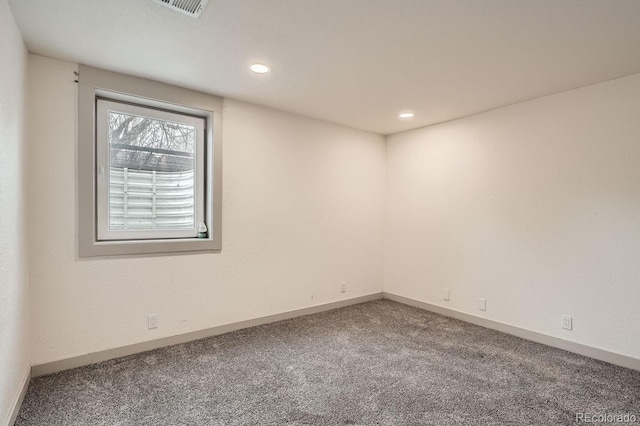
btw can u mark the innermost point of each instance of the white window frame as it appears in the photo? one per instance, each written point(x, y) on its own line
point(96, 84)
point(103, 108)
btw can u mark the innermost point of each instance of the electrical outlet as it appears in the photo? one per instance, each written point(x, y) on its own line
point(482, 304)
point(343, 287)
point(566, 322)
point(446, 294)
point(153, 321)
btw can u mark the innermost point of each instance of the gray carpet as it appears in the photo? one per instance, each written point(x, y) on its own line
point(377, 363)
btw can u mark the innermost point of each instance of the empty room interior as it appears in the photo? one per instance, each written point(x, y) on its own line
point(329, 212)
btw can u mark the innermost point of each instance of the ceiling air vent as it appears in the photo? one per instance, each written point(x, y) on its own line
point(192, 8)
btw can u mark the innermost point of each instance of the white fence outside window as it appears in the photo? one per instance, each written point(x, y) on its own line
point(145, 199)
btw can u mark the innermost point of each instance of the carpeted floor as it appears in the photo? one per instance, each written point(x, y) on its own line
point(377, 363)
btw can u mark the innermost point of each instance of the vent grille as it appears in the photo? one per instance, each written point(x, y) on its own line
point(192, 8)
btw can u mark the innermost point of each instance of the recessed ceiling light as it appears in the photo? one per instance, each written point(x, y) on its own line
point(406, 115)
point(260, 68)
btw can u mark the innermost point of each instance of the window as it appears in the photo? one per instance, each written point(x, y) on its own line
point(148, 166)
point(150, 172)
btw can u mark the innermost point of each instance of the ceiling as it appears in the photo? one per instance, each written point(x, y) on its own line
point(353, 62)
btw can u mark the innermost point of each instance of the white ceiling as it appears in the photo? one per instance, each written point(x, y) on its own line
point(353, 62)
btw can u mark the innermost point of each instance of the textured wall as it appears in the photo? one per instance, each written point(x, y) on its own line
point(302, 211)
point(14, 310)
point(535, 207)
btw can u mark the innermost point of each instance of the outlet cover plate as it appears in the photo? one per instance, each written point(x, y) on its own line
point(566, 322)
point(482, 304)
point(153, 321)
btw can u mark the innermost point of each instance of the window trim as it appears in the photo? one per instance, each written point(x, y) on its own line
point(97, 83)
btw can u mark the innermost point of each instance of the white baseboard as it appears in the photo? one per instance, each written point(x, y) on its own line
point(79, 361)
point(16, 406)
point(92, 358)
point(578, 348)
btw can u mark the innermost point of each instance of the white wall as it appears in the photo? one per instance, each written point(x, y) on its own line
point(303, 210)
point(535, 207)
point(14, 307)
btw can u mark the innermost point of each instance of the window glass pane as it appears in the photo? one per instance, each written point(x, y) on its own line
point(151, 173)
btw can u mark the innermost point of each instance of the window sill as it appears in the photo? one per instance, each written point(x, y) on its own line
point(130, 247)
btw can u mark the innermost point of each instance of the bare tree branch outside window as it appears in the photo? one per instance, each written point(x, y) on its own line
point(141, 143)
